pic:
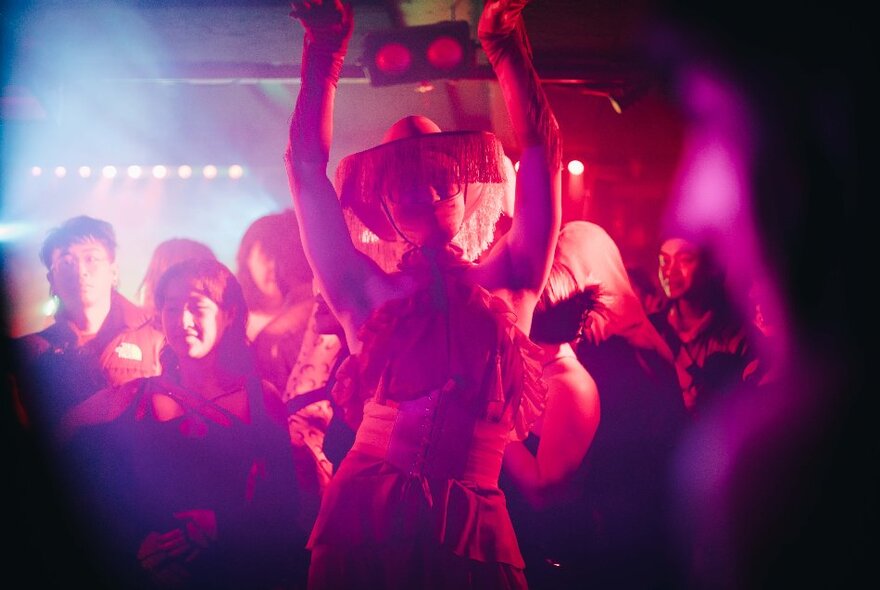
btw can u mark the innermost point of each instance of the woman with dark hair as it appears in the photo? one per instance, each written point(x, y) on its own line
point(277, 284)
point(191, 471)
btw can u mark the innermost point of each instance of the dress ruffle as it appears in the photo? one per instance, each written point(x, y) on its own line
point(446, 378)
point(374, 503)
point(401, 337)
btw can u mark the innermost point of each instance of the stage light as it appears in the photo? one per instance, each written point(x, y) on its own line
point(160, 171)
point(135, 171)
point(85, 171)
point(418, 54)
point(60, 171)
point(108, 172)
point(184, 171)
point(393, 59)
point(12, 231)
point(576, 167)
point(444, 53)
point(36, 171)
point(209, 172)
point(236, 172)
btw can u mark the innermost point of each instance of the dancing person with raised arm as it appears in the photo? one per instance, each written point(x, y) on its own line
point(442, 374)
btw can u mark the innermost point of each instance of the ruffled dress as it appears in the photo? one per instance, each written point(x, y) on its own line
point(443, 381)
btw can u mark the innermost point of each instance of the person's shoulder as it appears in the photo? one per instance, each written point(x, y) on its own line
point(133, 316)
point(134, 321)
point(573, 391)
point(576, 380)
point(144, 332)
point(133, 352)
point(35, 344)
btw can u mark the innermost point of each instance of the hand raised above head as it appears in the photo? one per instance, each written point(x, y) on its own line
point(324, 20)
point(499, 17)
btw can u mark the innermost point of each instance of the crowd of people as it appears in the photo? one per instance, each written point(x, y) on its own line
point(393, 390)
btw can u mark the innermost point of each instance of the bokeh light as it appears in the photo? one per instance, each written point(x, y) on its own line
point(576, 167)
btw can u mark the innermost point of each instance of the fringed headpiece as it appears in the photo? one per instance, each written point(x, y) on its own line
point(416, 152)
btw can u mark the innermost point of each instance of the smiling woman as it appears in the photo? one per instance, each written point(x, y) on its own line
point(193, 468)
point(203, 316)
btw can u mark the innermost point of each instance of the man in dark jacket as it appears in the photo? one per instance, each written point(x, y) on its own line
point(98, 339)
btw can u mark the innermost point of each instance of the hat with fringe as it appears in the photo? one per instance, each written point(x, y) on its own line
point(415, 152)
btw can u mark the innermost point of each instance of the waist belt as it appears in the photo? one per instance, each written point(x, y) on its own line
point(434, 437)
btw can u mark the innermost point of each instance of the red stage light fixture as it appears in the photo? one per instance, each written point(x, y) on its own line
point(393, 59)
point(418, 54)
point(445, 53)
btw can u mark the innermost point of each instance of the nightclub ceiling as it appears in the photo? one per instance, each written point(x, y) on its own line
point(190, 82)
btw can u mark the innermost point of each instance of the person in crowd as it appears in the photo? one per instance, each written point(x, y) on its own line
point(588, 489)
point(98, 338)
point(277, 283)
point(311, 411)
point(712, 342)
point(441, 373)
point(166, 254)
point(776, 485)
point(764, 369)
point(187, 479)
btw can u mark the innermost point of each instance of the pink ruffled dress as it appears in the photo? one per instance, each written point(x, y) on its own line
point(444, 380)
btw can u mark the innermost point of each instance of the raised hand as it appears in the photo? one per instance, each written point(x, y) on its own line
point(328, 22)
point(499, 18)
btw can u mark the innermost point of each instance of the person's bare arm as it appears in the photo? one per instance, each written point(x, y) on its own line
point(348, 278)
point(527, 251)
point(570, 421)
